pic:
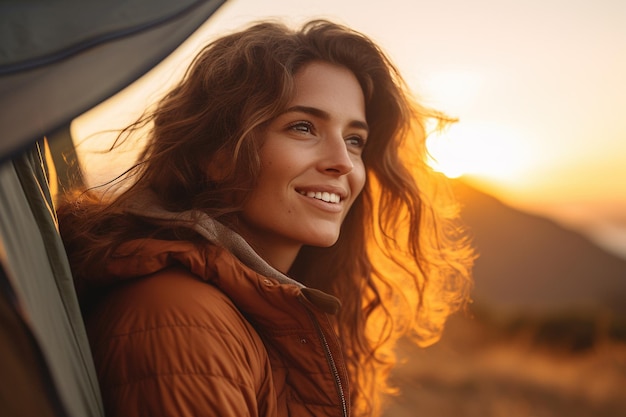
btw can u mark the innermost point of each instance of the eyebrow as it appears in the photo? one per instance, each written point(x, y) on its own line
point(314, 111)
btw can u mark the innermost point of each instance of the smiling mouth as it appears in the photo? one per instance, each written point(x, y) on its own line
point(322, 195)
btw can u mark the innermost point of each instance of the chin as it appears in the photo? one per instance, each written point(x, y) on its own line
point(323, 241)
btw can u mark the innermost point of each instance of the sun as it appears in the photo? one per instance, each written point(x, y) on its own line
point(481, 150)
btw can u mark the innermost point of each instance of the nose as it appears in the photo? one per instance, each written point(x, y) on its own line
point(335, 158)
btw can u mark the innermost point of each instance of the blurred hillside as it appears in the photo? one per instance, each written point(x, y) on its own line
point(545, 335)
point(531, 265)
point(479, 370)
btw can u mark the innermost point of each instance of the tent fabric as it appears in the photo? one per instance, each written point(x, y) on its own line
point(32, 38)
point(37, 265)
point(60, 58)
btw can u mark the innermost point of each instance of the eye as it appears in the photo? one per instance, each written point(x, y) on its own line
point(356, 141)
point(301, 127)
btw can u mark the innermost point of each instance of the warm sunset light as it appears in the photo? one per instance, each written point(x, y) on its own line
point(471, 147)
point(488, 151)
point(530, 132)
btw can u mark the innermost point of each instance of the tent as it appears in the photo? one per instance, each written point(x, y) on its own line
point(58, 59)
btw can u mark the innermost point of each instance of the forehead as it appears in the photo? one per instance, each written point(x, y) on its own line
point(332, 88)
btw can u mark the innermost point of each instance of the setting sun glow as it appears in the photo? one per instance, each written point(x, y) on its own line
point(491, 152)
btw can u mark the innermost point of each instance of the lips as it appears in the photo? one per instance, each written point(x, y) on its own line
point(328, 197)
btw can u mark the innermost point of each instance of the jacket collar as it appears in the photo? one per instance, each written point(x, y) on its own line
point(147, 206)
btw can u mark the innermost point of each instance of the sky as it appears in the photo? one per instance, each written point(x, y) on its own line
point(538, 86)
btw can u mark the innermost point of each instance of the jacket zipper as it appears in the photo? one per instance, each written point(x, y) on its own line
point(332, 364)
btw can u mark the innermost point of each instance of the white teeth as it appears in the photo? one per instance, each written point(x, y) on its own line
point(324, 196)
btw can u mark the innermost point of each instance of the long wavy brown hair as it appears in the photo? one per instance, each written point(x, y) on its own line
point(401, 265)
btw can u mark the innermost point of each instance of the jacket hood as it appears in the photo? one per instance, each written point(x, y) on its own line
point(226, 254)
point(147, 206)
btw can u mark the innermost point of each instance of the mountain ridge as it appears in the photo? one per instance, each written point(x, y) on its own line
point(529, 264)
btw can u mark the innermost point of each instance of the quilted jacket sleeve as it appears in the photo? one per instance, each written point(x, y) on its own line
point(171, 345)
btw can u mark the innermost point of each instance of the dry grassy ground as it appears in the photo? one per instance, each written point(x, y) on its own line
point(487, 371)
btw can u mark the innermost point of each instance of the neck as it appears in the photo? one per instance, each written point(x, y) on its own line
point(279, 256)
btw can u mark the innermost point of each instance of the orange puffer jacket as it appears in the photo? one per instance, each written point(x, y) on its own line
point(191, 331)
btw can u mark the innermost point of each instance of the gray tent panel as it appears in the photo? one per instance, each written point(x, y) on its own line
point(40, 276)
point(58, 59)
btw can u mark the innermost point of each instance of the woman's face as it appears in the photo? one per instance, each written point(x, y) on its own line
point(311, 166)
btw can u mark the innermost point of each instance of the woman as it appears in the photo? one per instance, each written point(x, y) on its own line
point(280, 233)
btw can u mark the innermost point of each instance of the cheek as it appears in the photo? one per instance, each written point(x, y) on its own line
point(273, 175)
point(359, 178)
